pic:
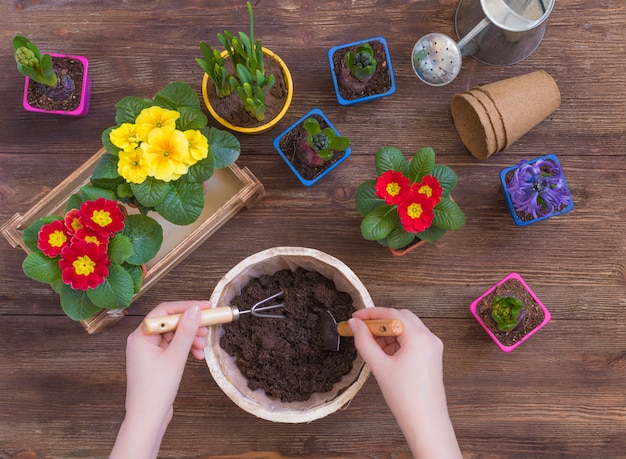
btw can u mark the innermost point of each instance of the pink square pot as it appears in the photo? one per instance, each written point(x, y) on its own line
point(546, 319)
point(85, 95)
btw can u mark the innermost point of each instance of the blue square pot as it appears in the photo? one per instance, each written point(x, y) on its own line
point(307, 182)
point(509, 202)
point(344, 101)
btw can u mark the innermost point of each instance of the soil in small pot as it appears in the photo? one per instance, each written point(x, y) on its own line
point(534, 315)
point(231, 107)
point(522, 215)
point(285, 357)
point(66, 95)
point(290, 145)
point(380, 81)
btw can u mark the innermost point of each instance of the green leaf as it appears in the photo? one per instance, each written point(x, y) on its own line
point(366, 199)
point(74, 202)
point(129, 108)
point(120, 248)
point(106, 168)
point(379, 223)
point(191, 118)
point(399, 238)
point(41, 268)
point(390, 158)
point(447, 178)
point(338, 143)
point(146, 236)
point(116, 292)
point(151, 191)
point(76, 304)
point(201, 171)
point(431, 234)
point(136, 272)
point(448, 215)
point(422, 164)
point(91, 193)
point(30, 235)
point(183, 204)
point(106, 141)
point(224, 146)
point(177, 95)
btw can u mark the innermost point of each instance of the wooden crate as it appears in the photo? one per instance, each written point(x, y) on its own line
point(227, 192)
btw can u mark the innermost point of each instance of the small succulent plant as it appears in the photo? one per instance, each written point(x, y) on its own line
point(508, 312)
point(538, 188)
point(248, 80)
point(321, 143)
point(361, 62)
point(33, 64)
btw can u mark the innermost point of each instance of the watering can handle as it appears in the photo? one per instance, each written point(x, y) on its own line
point(213, 316)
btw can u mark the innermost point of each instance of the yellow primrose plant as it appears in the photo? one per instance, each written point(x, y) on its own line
point(161, 152)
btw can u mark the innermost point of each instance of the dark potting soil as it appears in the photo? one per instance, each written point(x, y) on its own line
point(285, 357)
point(380, 81)
point(534, 315)
point(231, 107)
point(38, 94)
point(290, 144)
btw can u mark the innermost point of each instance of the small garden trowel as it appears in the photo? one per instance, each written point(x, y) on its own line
point(331, 331)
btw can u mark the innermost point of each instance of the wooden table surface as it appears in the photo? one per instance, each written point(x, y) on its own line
point(561, 394)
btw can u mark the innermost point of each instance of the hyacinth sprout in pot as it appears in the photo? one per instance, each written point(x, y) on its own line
point(361, 71)
point(248, 93)
point(92, 256)
point(312, 147)
point(510, 312)
point(535, 190)
point(161, 152)
point(55, 83)
point(410, 201)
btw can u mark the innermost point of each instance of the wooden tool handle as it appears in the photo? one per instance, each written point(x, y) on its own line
point(214, 316)
point(378, 327)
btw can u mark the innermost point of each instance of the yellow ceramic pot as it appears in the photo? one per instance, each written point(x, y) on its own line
point(263, 127)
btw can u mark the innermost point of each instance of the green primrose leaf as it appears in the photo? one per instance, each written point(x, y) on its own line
point(176, 95)
point(151, 191)
point(191, 118)
point(448, 215)
point(74, 202)
point(422, 164)
point(129, 108)
point(136, 273)
point(200, 171)
point(431, 234)
point(146, 237)
point(447, 178)
point(390, 158)
point(106, 168)
point(224, 146)
point(30, 235)
point(399, 238)
point(76, 303)
point(379, 223)
point(41, 268)
point(183, 204)
point(120, 248)
point(115, 292)
point(366, 199)
point(91, 193)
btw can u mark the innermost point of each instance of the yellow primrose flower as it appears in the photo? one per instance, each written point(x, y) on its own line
point(127, 136)
point(132, 166)
point(198, 145)
point(157, 117)
point(166, 152)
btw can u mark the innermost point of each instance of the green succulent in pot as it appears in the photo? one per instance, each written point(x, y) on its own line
point(32, 63)
point(508, 312)
point(408, 200)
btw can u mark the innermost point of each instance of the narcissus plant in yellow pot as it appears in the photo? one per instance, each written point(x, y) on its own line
point(410, 202)
point(251, 90)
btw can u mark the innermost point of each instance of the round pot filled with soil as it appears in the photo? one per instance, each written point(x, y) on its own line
point(510, 312)
point(302, 156)
point(361, 71)
point(279, 368)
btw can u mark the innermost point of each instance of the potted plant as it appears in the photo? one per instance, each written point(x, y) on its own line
point(535, 190)
point(161, 152)
point(91, 256)
point(510, 312)
point(248, 94)
point(361, 71)
point(312, 147)
point(410, 202)
point(58, 84)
